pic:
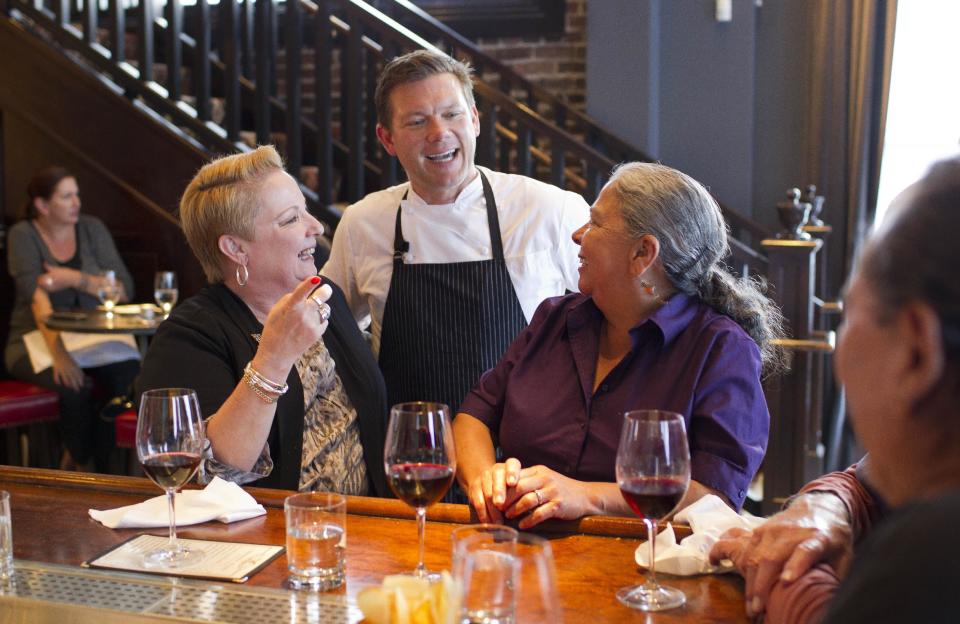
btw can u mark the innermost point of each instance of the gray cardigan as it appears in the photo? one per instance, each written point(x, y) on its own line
point(26, 253)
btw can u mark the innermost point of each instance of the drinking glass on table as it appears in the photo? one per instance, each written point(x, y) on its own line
point(165, 290)
point(170, 442)
point(483, 560)
point(653, 472)
point(108, 291)
point(420, 459)
point(316, 539)
point(536, 594)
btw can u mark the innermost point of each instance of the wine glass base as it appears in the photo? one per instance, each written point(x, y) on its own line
point(178, 557)
point(657, 598)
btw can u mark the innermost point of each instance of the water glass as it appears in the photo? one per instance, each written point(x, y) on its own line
point(536, 588)
point(6, 538)
point(485, 563)
point(316, 539)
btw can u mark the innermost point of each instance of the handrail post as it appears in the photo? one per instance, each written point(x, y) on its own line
point(294, 32)
point(794, 451)
point(324, 104)
point(352, 125)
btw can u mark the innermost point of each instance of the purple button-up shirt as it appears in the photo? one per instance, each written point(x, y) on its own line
point(685, 358)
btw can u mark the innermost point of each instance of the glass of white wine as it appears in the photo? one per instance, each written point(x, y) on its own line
point(108, 291)
point(165, 290)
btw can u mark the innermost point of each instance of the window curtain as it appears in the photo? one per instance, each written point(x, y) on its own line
point(852, 51)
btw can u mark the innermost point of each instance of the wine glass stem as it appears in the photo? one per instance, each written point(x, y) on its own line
point(651, 583)
point(173, 523)
point(421, 570)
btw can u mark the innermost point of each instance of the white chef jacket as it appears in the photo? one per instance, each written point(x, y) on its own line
point(536, 223)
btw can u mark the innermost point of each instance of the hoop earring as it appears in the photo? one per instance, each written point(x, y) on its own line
point(242, 270)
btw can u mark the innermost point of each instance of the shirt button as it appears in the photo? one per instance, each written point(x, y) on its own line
point(484, 251)
point(604, 387)
point(583, 426)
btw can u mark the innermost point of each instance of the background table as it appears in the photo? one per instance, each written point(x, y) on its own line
point(97, 322)
point(594, 556)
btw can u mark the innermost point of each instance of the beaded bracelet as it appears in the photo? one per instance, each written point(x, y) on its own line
point(269, 391)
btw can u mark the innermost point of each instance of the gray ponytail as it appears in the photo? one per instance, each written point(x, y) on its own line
point(692, 233)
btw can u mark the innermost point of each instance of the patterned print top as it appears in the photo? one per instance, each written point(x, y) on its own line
point(332, 459)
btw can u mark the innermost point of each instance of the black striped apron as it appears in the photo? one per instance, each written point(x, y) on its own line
point(445, 324)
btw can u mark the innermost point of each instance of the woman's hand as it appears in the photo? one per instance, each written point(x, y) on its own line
point(293, 325)
point(541, 493)
point(488, 490)
point(815, 528)
point(65, 370)
point(57, 278)
point(506, 490)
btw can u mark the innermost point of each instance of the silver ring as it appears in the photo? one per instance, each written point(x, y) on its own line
point(323, 309)
point(539, 497)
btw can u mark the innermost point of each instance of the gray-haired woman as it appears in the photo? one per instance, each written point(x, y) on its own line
point(659, 324)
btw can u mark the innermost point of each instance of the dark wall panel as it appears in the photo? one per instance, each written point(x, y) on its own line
point(130, 168)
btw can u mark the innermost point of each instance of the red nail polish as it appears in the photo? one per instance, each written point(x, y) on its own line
point(315, 279)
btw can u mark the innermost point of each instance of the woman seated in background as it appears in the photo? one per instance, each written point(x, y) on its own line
point(898, 357)
point(289, 401)
point(56, 256)
point(658, 324)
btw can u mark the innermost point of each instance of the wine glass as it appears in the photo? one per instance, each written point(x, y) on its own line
point(108, 291)
point(653, 472)
point(165, 290)
point(170, 441)
point(420, 460)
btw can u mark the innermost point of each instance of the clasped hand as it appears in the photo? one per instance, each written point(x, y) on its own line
point(506, 491)
point(814, 529)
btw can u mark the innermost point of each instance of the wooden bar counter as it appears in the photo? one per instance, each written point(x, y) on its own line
point(594, 556)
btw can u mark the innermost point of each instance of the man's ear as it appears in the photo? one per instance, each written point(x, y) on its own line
point(643, 253)
point(232, 247)
point(921, 332)
point(476, 120)
point(386, 139)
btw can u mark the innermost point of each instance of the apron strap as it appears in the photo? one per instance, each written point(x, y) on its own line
point(401, 246)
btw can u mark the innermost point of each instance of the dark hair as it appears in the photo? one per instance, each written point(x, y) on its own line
point(413, 67)
point(43, 183)
point(687, 222)
point(914, 254)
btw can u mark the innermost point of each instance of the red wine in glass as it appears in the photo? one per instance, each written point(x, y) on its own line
point(419, 459)
point(171, 470)
point(170, 440)
point(652, 497)
point(420, 485)
point(653, 472)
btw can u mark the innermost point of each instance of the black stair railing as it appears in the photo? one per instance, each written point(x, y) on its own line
point(239, 67)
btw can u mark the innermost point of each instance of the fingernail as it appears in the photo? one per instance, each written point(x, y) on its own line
point(315, 279)
point(756, 605)
point(787, 576)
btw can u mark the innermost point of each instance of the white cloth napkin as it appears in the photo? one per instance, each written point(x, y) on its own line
point(709, 518)
point(220, 500)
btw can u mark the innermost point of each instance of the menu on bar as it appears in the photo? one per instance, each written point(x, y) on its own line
point(222, 561)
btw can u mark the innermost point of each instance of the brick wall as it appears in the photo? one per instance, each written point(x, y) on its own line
point(557, 64)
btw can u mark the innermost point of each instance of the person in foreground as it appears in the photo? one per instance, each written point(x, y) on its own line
point(292, 396)
point(451, 265)
point(898, 357)
point(56, 256)
point(659, 324)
